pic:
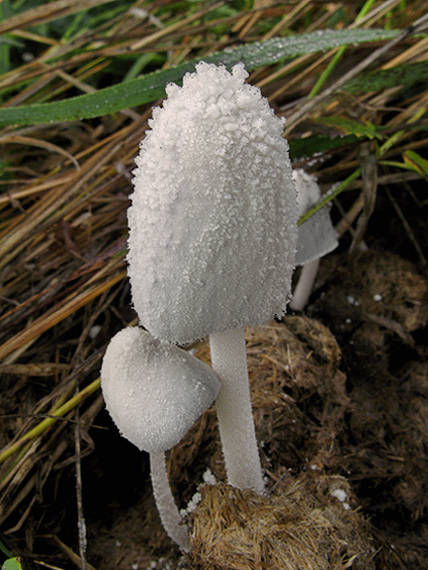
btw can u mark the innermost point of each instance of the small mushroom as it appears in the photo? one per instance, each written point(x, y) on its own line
point(316, 237)
point(154, 393)
point(213, 231)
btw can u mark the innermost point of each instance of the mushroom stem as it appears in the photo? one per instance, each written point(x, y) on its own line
point(168, 512)
point(233, 405)
point(304, 285)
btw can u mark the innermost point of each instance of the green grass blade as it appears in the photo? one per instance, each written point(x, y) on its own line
point(308, 146)
point(274, 50)
point(12, 564)
point(5, 550)
point(152, 86)
point(327, 198)
point(327, 71)
point(351, 127)
point(416, 162)
point(4, 45)
point(339, 54)
point(138, 66)
point(404, 75)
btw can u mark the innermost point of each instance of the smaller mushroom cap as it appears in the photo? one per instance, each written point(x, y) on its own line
point(153, 390)
point(316, 237)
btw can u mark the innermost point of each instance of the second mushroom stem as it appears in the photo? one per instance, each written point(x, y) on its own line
point(234, 412)
point(168, 511)
point(304, 285)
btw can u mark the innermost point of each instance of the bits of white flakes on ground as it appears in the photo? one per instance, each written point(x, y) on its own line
point(377, 297)
point(341, 495)
point(204, 208)
point(209, 477)
point(191, 505)
point(164, 564)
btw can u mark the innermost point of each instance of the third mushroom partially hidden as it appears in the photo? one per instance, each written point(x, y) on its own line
point(316, 237)
point(213, 230)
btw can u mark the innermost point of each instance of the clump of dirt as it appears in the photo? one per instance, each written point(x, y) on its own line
point(298, 391)
point(340, 409)
point(302, 524)
point(299, 403)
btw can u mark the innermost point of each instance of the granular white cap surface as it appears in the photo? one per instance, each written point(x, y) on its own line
point(154, 391)
point(213, 221)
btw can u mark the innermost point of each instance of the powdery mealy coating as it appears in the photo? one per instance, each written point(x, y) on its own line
point(154, 391)
point(316, 236)
point(213, 221)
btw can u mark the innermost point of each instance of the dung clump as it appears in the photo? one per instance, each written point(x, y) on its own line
point(344, 455)
point(306, 523)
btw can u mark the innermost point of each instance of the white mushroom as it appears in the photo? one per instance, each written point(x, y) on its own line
point(316, 237)
point(154, 393)
point(213, 230)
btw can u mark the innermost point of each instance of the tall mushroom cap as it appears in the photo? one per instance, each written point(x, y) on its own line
point(213, 221)
point(316, 236)
point(154, 391)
